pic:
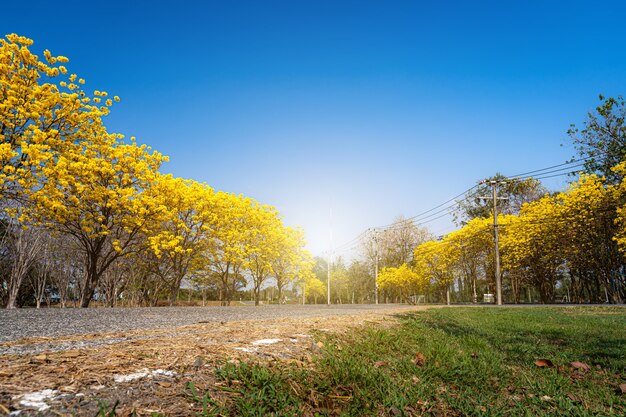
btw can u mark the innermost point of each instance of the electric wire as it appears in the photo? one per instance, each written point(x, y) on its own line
point(452, 205)
point(536, 176)
point(428, 211)
point(526, 174)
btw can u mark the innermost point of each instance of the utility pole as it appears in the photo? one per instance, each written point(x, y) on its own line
point(328, 281)
point(495, 198)
point(494, 187)
point(330, 253)
point(376, 265)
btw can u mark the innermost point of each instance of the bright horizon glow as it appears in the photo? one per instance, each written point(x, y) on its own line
point(368, 109)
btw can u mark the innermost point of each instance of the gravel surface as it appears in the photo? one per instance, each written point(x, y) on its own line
point(56, 322)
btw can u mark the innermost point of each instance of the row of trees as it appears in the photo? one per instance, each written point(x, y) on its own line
point(569, 240)
point(572, 242)
point(355, 282)
point(566, 245)
point(90, 213)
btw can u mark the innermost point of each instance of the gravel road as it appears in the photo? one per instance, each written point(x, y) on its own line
point(56, 322)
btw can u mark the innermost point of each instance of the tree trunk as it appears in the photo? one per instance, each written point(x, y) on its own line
point(474, 294)
point(280, 294)
point(89, 288)
point(92, 279)
point(86, 296)
point(15, 282)
point(174, 294)
point(257, 295)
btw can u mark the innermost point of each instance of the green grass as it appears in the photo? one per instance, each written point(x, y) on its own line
point(478, 362)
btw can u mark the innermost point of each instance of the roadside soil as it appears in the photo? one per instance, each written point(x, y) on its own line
point(147, 371)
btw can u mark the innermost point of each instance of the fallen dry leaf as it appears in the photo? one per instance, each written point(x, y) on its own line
point(573, 398)
point(340, 397)
point(378, 364)
point(622, 388)
point(420, 359)
point(544, 363)
point(580, 365)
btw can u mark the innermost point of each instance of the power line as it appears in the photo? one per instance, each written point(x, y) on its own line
point(547, 170)
point(451, 205)
point(526, 174)
point(538, 175)
point(566, 165)
point(427, 211)
point(411, 220)
point(420, 218)
point(352, 240)
point(557, 175)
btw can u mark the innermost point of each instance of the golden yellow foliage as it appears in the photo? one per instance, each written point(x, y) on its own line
point(403, 279)
point(40, 119)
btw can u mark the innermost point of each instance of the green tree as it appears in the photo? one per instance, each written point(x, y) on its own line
point(602, 139)
point(512, 194)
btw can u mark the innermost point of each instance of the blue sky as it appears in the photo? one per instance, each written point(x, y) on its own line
point(373, 109)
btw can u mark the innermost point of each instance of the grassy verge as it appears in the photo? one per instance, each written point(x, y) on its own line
point(469, 361)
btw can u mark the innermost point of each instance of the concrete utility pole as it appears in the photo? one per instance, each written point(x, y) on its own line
point(376, 265)
point(494, 187)
point(495, 198)
point(330, 253)
point(494, 195)
point(328, 281)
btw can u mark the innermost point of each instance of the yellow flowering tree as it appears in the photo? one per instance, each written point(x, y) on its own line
point(225, 257)
point(567, 237)
point(314, 288)
point(43, 112)
point(57, 158)
point(263, 245)
point(403, 280)
point(620, 197)
point(185, 232)
point(96, 193)
point(588, 210)
point(530, 245)
point(292, 259)
point(434, 264)
point(471, 252)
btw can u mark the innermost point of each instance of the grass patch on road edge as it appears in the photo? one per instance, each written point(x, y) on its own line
point(457, 361)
